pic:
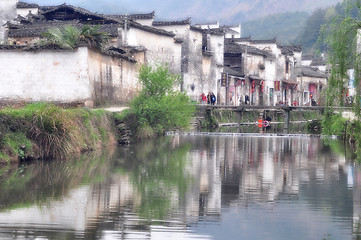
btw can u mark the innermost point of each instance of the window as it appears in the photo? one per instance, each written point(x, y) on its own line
point(287, 67)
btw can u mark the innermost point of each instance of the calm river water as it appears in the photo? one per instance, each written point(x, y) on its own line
point(189, 187)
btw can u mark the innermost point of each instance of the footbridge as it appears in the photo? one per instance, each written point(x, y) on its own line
point(286, 110)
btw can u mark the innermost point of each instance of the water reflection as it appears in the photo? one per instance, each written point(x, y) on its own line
point(188, 187)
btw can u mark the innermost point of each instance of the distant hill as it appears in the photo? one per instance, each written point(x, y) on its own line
point(286, 27)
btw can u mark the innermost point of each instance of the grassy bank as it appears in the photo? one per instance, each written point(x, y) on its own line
point(40, 130)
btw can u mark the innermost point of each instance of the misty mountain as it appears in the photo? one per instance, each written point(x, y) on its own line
point(285, 27)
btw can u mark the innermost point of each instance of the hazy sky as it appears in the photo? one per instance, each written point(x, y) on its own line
point(206, 10)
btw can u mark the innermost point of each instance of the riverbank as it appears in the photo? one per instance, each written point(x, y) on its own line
point(42, 131)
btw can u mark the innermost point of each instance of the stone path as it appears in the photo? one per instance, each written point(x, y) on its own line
point(115, 109)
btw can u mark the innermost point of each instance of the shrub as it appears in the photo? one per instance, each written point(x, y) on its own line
point(158, 105)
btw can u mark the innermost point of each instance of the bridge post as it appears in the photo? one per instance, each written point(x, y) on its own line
point(287, 111)
point(239, 112)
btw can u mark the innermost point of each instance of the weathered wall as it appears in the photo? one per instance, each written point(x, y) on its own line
point(217, 62)
point(193, 81)
point(66, 76)
point(271, 96)
point(48, 75)
point(7, 12)
point(160, 48)
point(113, 80)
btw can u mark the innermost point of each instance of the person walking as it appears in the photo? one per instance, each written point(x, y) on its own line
point(213, 98)
point(203, 98)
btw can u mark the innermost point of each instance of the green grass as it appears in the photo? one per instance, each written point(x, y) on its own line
point(54, 131)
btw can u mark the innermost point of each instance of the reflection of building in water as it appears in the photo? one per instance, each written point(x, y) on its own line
point(224, 171)
point(204, 198)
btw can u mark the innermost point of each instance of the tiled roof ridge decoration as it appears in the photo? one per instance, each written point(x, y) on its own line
point(132, 16)
point(171, 23)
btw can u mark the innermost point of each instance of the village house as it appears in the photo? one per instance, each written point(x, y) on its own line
point(208, 57)
point(202, 57)
point(37, 73)
point(311, 83)
point(253, 66)
point(268, 68)
point(193, 53)
point(312, 79)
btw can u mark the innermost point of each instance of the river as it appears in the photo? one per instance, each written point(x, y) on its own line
point(221, 186)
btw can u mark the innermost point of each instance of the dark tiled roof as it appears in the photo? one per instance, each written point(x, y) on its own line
point(318, 62)
point(142, 15)
point(197, 29)
point(37, 28)
point(150, 29)
point(233, 71)
point(214, 31)
point(289, 50)
point(255, 41)
point(46, 8)
point(82, 14)
point(133, 16)
point(115, 52)
point(308, 57)
point(265, 41)
point(310, 72)
point(119, 52)
point(26, 5)
point(236, 48)
point(172, 23)
point(245, 39)
point(31, 47)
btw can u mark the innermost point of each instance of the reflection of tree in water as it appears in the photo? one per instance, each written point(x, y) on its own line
point(159, 176)
point(50, 180)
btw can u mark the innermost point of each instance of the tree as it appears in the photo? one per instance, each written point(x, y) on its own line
point(340, 37)
point(158, 105)
point(69, 37)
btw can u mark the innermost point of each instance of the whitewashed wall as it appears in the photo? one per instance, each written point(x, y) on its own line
point(44, 76)
point(113, 80)
point(194, 82)
point(217, 61)
point(159, 48)
point(66, 77)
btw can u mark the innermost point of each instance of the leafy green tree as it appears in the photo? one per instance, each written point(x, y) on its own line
point(159, 106)
point(69, 36)
point(340, 37)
